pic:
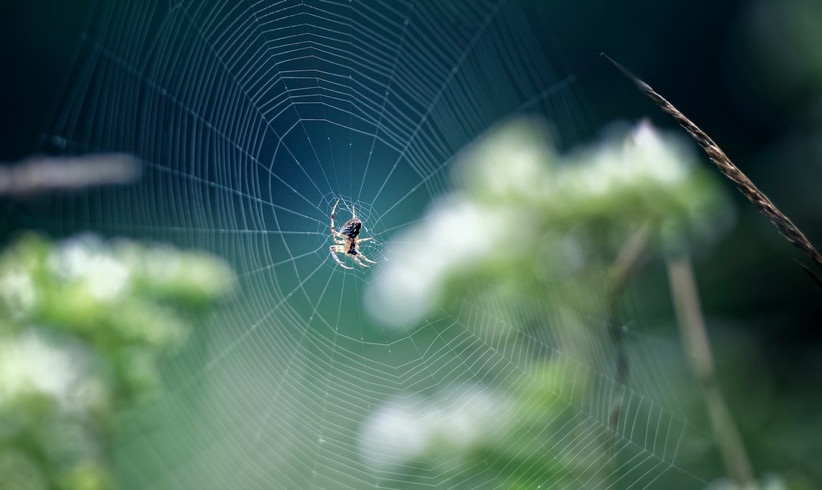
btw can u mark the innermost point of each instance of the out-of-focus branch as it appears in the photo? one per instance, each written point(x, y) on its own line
point(628, 257)
point(698, 352)
point(39, 175)
point(622, 268)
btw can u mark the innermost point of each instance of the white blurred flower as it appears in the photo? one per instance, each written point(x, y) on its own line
point(409, 429)
point(511, 163)
point(663, 159)
point(164, 265)
point(85, 259)
point(394, 434)
point(642, 159)
point(454, 234)
point(514, 195)
point(35, 363)
point(18, 292)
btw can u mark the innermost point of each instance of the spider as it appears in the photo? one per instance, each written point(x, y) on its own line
point(346, 240)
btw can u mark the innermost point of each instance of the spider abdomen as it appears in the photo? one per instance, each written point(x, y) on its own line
point(351, 229)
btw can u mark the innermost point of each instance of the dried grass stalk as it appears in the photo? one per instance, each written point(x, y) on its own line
point(729, 170)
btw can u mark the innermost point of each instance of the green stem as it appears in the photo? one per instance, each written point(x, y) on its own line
point(698, 352)
point(622, 268)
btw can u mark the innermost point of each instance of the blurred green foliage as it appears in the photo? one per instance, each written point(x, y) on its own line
point(534, 237)
point(84, 326)
point(524, 223)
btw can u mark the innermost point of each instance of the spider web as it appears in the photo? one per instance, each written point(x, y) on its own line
point(252, 119)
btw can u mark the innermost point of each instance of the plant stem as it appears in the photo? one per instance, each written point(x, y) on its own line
point(698, 352)
point(622, 268)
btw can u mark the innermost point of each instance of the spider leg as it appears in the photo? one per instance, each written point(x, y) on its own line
point(338, 237)
point(333, 231)
point(366, 258)
point(358, 260)
point(335, 249)
point(360, 240)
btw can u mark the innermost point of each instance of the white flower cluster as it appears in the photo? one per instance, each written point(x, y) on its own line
point(37, 363)
point(515, 196)
point(645, 159)
point(17, 291)
point(85, 259)
point(414, 428)
point(453, 236)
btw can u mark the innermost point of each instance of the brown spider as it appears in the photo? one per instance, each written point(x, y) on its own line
point(346, 239)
